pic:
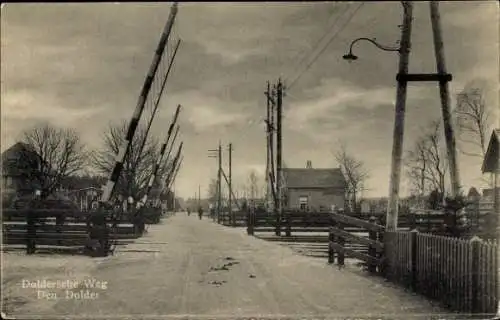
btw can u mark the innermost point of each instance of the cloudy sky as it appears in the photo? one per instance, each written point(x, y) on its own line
point(82, 66)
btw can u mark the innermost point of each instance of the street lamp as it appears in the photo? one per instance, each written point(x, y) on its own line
point(351, 57)
point(402, 78)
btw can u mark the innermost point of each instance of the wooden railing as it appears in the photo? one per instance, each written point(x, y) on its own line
point(298, 221)
point(462, 274)
point(235, 219)
point(339, 237)
point(52, 227)
point(260, 221)
point(291, 221)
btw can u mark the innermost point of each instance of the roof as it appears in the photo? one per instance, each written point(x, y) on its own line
point(313, 178)
point(490, 163)
point(14, 151)
point(17, 158)
point(473, 193)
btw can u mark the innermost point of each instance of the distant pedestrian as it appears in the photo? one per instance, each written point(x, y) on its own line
point(200, 212)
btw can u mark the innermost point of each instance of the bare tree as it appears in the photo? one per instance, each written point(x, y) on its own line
point(426, 167)
point(354, 172)
point(240, 190)
point(473, 121)
point(253, 184)
point(60, 154)
point(417, 165)
point(472, 116)
point(137, 167)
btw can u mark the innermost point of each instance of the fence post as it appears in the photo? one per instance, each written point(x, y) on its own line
point(277, 230)
point(250, 222)
point(476, 276)
point(380, 255)
point(372, 251)
point(388, 240)
point(331, 238)
point(31, 232)
point(429, 224)
point(412, 220)
point(288, 224)
point(59, 225)
point(341, 242)
point(414, 257)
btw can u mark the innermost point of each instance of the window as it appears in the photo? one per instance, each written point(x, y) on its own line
point(8, 182)
point(303, 203)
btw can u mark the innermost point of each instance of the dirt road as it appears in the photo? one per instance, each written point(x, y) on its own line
point(185, 266)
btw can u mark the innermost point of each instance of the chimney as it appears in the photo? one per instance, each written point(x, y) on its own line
point(309, 164)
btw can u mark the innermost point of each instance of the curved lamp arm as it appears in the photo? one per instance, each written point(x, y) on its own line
point(351, 56)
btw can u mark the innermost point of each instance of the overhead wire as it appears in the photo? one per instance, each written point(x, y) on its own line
point(336, 19)
point(325, 47)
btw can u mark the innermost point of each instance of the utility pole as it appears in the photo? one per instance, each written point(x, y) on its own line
point(219, 185)
point(268, 147)
point(279, 147)
point(233, 222)
point(399, 121)
point(445, 98)
point(199, 196)
point(272, 173)
point(215, 153)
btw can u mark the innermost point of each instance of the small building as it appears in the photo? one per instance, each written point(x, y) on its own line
point(491, 164)
point(85, 198)
point(492, 156)
point(313, 189)
point(18, 165)
point(473, 195)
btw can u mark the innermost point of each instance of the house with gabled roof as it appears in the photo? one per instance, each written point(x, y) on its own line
point(313, 189)
point(492, 156)
point(473, 194)
point(491, 164)
point(18, 164)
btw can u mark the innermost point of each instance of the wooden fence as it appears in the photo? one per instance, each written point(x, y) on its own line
point(462, 274)
point(290, 222)
point(305, 232)
point(482, 217)
point(52, 227)
point(300, 221)
point(339, 236)
point(235, 219)
point(63, 227)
